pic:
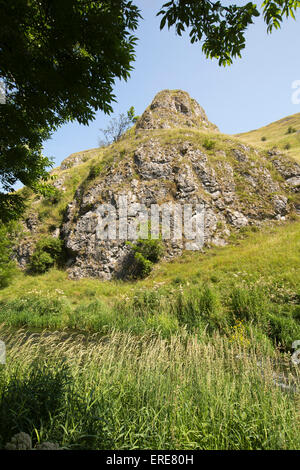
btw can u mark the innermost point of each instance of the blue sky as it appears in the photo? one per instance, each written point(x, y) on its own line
point(252, 92)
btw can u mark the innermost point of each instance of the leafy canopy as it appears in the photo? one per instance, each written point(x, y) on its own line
point(222, 28)
point(59, 61)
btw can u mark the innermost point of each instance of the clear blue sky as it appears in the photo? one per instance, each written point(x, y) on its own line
point(253, 92)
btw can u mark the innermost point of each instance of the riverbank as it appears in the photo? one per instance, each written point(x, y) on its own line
point(127, 392)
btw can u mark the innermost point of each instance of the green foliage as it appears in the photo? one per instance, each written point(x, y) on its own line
point(34, 397)
point(40, 311)
point(40, 262)
point(54, 196)
point(48, 252)
point(145, 254)
point(7, 266)
point(221, 27)
point(199, 308)
point(209, 144)
point(95, 171)
point(248, 304)
point(138, 392)
point(59, 62)
point(151, 249)
point(142, 266)
point(291, 130)
point(263, 139)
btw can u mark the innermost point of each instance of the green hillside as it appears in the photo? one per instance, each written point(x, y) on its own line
point(284, 134)
point(198, 354)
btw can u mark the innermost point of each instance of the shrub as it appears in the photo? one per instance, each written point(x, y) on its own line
point(291, 130)
point(55, 196)
point(8, 266)
point(151, 250)
point(95, 171)
point(48, 252)
point(40, 262)
point(263, 139)
point(287, 146)
point(143, 266)
point(145, 253)
point(209, 144)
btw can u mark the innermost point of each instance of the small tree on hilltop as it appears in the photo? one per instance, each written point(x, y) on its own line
point(117, 127)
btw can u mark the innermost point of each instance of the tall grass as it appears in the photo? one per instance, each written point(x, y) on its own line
point(203, 307)
point(128, 392)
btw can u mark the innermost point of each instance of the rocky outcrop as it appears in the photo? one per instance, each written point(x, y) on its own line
point(22, 441)
point(174, 108)
point(77, 158)
point(176, 157)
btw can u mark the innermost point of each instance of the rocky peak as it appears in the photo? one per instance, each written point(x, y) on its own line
point(174, 108)
point(236, 185)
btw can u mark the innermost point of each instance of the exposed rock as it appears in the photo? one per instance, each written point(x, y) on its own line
point(234, 184)
point(77, 158)
point(23, 252)
point(174, 108)
point(20, 441)
point(237, 219)
point(294, 182)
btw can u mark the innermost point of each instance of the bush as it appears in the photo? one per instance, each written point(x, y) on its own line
point(151, 250)
point(8, 266)
point(145, 253)
point(291, 130)
point(263, 139)
point(55, 196)
point(209, 144)
point(95, 171)
point(143, 266)
point(48, 252)
point(287, 146)
point(41, 262)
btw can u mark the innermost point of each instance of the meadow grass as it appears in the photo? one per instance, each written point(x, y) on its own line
point(256, 280)
point(127, 392)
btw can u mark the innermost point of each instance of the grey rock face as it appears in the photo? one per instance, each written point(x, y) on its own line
point(174, 108)
point(169, 167)
point(164, 175)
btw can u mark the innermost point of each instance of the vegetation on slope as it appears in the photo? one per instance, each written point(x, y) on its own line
point(195, 356)
point(256, 280)
point(284, 134)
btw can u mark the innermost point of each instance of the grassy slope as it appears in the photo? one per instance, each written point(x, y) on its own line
point(277, 135)
point(271, 254)
point(86, 174)
point(256, 278)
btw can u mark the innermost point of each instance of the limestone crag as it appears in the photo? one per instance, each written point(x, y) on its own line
point(171, 109)
point(173, 155)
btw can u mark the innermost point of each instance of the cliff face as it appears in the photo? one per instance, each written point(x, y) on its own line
point(173, 155)
point(175, 109)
